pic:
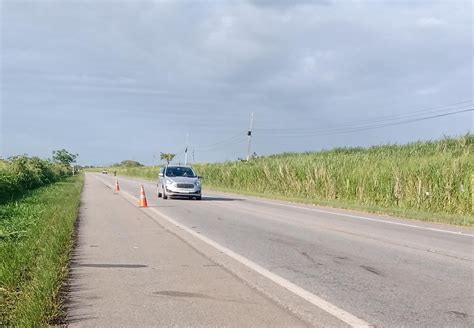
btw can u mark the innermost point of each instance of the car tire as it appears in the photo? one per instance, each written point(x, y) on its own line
point(198, 198)
point(159, 194)
point(165, 196)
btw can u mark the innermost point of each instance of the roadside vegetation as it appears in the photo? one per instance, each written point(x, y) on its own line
point(38, 207)
point(431, 180)
point(145, 172)
point(22, 173)
point(128, 163)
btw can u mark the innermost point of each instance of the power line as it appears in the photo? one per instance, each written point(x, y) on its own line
point(381, 119)
point(345, 130)
point(236, 141)
point(225, 141)
point(178, 154)
point(361, 125)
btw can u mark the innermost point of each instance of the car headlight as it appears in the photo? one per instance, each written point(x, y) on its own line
point(198, 183)
point(170, 182)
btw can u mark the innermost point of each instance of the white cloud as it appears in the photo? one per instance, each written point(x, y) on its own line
point(430, 22)
point(210, 63)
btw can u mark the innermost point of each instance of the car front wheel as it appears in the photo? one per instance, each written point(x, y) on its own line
point(164, 195)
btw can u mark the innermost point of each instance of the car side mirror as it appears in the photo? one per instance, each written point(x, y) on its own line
point(200, 177)
point(160, 175)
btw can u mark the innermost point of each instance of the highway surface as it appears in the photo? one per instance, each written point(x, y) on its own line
point(361, 269)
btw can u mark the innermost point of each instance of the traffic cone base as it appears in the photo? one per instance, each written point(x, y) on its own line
point(142, 202)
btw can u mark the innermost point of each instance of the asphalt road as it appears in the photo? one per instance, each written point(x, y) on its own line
point(388, 272)
point(129, 270)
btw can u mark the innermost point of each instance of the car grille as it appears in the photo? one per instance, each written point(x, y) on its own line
point(185, 185)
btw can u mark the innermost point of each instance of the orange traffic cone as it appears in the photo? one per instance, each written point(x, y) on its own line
point(142, 202)
point(117, 187)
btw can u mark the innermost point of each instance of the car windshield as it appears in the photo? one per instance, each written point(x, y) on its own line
point(180, 172)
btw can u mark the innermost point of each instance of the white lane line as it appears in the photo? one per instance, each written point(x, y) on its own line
point(364, 218)
point(330, 308)
point(459, 233)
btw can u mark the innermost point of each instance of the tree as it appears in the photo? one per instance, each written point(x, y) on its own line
point(64, 157)
point(168, 157)
point(130, 163)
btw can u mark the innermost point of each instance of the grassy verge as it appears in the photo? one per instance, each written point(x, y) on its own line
point(453, 219)
point(150, 173)
point(432, 177)
point(429, 180)
point(35, 244)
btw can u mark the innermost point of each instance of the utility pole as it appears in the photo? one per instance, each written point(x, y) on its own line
point(249, 134)
point(186, 150)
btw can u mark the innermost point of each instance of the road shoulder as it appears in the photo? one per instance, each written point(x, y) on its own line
point(130, 270)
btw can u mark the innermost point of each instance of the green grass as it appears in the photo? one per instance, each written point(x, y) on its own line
point(36, 238)
point(145, 172)
point(461, 220)
point(19, 174)
point(430, 181)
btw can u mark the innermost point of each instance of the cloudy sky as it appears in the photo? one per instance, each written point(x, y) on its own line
point(114, 80)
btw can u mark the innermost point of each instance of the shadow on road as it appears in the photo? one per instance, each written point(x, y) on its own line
point(208, 199)
point(161, 206)
point(220, 199)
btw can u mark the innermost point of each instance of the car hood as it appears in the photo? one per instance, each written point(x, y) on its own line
point(182, 179)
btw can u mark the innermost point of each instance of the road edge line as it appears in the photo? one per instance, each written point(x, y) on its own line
point(458, 233)
point(359, 217)
point(324, 305)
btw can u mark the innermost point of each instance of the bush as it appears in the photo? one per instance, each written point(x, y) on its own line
point(19, 174)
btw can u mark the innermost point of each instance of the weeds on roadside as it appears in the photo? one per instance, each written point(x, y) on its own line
point(35, 244)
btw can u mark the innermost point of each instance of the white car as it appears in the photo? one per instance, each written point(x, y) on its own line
point(178, 181)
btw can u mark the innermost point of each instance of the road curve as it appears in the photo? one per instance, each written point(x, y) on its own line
point(386, 271)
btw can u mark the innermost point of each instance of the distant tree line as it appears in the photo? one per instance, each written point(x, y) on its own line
point(128, 163)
